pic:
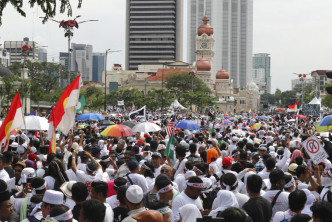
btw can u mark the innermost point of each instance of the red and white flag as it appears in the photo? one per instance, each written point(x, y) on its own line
point(13, 120)
point(64, 111)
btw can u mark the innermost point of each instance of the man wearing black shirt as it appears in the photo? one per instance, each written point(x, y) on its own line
point(257, 207)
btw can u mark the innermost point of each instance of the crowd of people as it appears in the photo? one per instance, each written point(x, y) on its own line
point(227, 173)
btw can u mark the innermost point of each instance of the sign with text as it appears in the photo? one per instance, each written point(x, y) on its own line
point(315, 150)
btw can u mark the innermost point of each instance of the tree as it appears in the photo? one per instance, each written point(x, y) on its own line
point(269, 98)
point(48, 7)
point(327, 100)
point(277, 96)
point(178, 83)
point(288, 98)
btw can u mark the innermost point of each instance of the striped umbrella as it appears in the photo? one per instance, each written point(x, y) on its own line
point(117, 131)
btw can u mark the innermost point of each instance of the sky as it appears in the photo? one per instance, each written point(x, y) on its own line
point(297, 33)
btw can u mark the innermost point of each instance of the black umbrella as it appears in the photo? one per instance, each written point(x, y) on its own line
point(106, 122)
point(130, 124)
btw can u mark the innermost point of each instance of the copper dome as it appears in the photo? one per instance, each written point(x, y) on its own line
point(205, 27)
point(203, 65)
point(222, 74)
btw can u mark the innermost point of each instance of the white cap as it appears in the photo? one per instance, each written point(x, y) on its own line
point(234, 138)
point(189, 173)
point(33, 149)
point(14, 144)
point(75, 146)
point(272, 149)
point(134, 194)
point(161, 147)
point(29, 172)
point(12, 137)
point(53, 197)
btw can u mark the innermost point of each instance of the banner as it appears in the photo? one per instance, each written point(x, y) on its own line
point(311, 109)
point(138, 113)
point(121, 103)
point(315, 150)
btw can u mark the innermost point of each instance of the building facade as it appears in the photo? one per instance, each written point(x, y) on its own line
point(81, 60)
point(261, 69)
point(233, 33)
point(153, 32)
point(42, 54)
point(4, 58)
point(15, 50)
point(98, 66)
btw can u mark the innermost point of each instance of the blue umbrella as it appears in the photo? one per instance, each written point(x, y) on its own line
point(326, 121)
point(90, 116)
point(187, 124)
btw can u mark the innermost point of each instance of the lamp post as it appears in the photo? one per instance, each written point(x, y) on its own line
point(105, 72)
point(192, 74)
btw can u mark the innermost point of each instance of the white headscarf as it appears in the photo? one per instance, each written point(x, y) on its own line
point(308, 203)
point(189, 213)
point(224, 200)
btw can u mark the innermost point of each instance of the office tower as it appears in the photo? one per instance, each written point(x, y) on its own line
point(42, 54)
point(15, 50)
point(81, 60)
point(98, 66)
point(153, 32)
point(261, 71)
point(232, 21)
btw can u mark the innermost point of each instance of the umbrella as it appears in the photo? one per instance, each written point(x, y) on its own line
point(205, 128)
point(117, 131)
point(130, 124)
point(146, 127)
point(106, 122)
point(35, 123)
point(291, 120)
point(301, 116)
point(256, 126)
point(90, 116)
point(325, 124)
point(187, 124)
point(239, 132)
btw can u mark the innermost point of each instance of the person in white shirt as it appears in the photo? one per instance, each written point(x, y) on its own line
point(180, 163)
point(296, 201)
point(99, 192)
point(156, 162)
point(134, 178)
point(190, 195)
point(276, 196)
point(3, 173)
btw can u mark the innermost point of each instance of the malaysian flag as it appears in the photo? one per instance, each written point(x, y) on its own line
point(170, 126)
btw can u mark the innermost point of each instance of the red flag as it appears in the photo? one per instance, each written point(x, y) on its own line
point(64, 112)
point(13, 120)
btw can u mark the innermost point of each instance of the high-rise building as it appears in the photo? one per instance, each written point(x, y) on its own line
point(232, 21)
point(153, 32)
point(4, 57)
point(81, 60)
point(63, 59)
point(16, 52)
point(98, 66)
point(261, 71)
point(42, 54)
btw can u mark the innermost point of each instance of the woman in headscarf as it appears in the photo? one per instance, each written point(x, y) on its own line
point(224, 200)
point(189, 213)
point(295, 154)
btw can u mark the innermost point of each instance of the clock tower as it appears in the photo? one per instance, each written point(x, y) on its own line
point(204, 52)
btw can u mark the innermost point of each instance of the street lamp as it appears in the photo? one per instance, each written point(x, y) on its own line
point(192, 74)
point(105, 71)
point(164, 62)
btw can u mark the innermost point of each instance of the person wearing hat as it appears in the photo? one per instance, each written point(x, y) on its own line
point(134, 199)
point(66, 190)
point(51, 198)
point(190, 195)
point(149, 215)
point(276, 196)
point(6, 206)
point(259, 166)
point(232, 146)
point(156, 162)
point(134, 178)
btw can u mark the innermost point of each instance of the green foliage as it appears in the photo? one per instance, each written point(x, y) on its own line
point(327, 101)
point(48, 7)
point(180, 84)
point(94, 98)
point(269, 98)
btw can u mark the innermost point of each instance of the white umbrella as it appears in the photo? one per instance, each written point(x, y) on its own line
point(291, 120)
point(35, 123)
point(146, 127)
